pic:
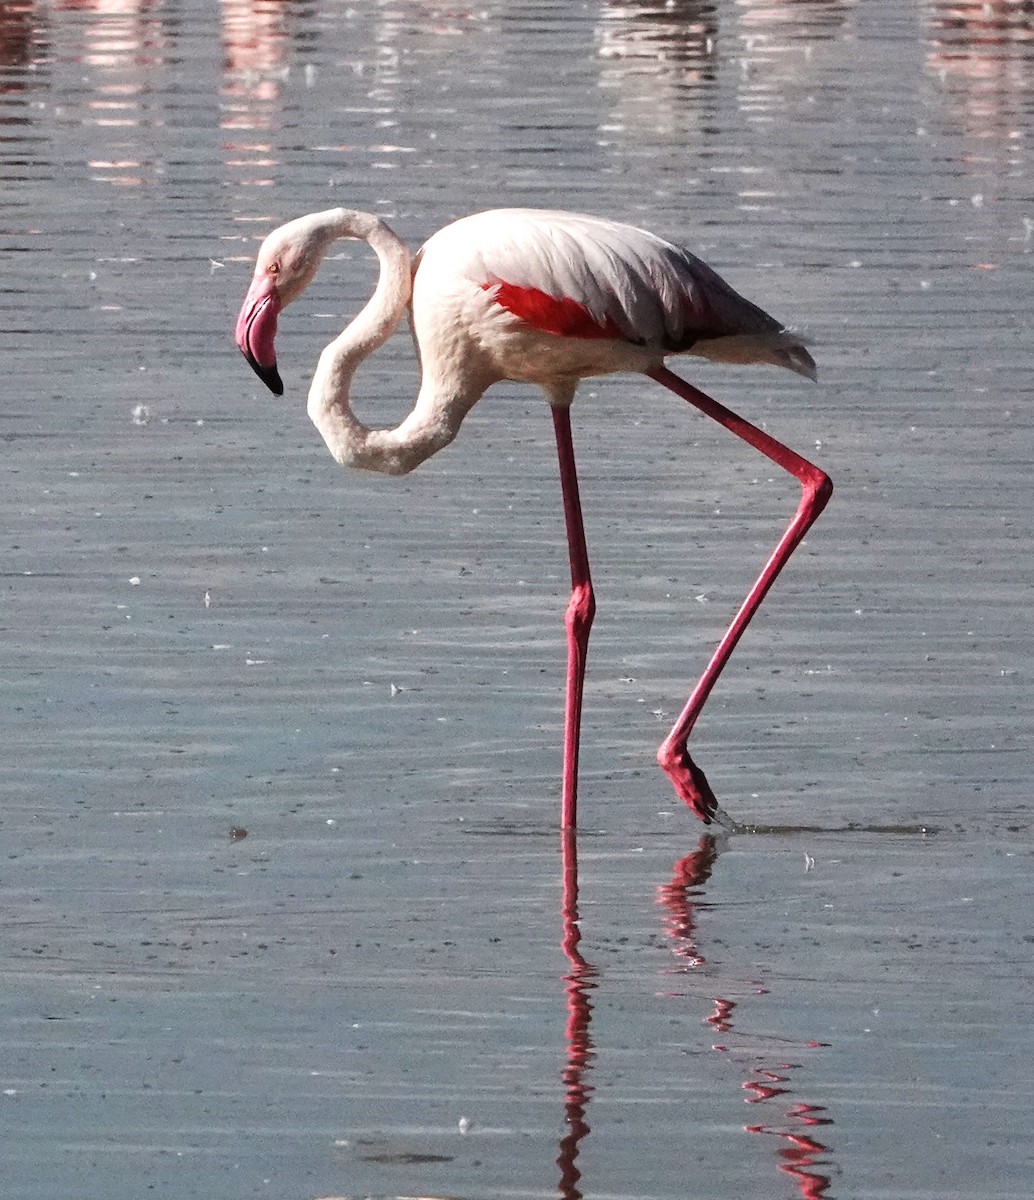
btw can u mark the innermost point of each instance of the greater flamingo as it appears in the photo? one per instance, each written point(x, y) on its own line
point(547, 298)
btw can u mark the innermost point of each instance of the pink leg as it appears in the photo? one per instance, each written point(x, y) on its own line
point(580, 611)
point(816, 489)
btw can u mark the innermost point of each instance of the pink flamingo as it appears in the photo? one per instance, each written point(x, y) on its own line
point(547, 298)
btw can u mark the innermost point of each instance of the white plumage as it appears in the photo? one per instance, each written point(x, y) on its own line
point(658, 295)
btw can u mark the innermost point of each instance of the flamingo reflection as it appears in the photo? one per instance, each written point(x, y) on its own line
point(21, 34)
point(659, 62)
point(982, 51)
point(579, 983)
point(803, 1154)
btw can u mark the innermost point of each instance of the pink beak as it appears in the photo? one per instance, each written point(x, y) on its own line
point(256, 331)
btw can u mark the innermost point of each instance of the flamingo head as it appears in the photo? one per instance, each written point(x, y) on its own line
point(286, 263)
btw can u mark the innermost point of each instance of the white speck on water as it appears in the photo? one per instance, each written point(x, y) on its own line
point(141, 414)
point(208, 599)
point(465, 1124)
point(134, 580)
point(395, 690)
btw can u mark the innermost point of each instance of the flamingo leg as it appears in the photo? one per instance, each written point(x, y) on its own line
point(816, 488)
point(580, 611)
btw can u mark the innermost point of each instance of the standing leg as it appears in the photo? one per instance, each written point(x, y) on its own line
point(580, 611)
point(816, 489)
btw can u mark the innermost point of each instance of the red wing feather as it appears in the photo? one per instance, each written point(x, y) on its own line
point(563, 317)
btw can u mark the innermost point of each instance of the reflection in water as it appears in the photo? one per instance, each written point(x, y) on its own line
point(777, 59)
point(255, 58)
point(19, 42)
point(983, 53)
point(579, 982)
point(123, 42)
point(802, 1155)
point(663, 61)
point(768, 1084)
point(660, 62)
point(814, 20)
point(23, 50)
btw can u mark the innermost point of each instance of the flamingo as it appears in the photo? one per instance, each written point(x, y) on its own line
point(548, 298)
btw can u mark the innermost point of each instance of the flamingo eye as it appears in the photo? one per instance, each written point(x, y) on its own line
point(273, 268)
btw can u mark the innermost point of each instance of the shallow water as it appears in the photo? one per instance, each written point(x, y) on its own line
point(211, 630)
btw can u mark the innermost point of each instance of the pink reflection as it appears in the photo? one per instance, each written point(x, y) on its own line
point(123, 41)
point(983, 53)
point(801, 1155)
point(18, 40)
point(578, 982)
point(127, 33)
point(254, 46)
point(659, 60)
point(256, 49)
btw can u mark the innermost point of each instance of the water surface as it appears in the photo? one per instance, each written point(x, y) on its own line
point(209, 627)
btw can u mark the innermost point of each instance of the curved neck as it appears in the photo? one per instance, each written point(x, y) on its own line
point(328, 405)
point(430, 425)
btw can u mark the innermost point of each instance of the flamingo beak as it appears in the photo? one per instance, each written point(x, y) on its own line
point(256, 331)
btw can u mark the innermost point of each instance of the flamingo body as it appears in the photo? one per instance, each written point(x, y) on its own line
point(534, 287)
point(546, 298)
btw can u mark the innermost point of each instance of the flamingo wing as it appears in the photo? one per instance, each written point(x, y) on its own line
point(584, 276)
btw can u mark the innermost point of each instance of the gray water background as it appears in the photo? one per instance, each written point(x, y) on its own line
point(372, 688)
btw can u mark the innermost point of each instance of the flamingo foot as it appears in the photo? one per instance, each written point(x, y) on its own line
point(691, 784)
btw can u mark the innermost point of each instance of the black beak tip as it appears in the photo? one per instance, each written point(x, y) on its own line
point(270, 376)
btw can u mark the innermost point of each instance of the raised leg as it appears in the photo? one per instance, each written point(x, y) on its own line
point(580, 611)
point(816, 489)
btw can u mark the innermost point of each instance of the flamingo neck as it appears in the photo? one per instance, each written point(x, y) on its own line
point(430, 425)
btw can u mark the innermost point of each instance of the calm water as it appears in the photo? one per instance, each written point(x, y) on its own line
point(207, 626)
